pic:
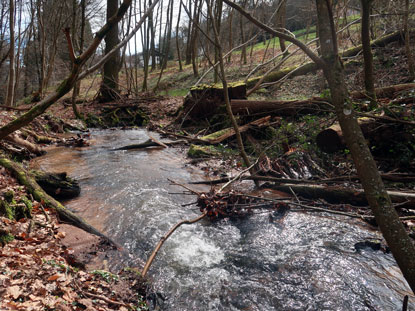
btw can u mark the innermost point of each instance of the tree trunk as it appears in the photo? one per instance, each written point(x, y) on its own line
point(367, 53)
point(342, 195)
point(109, 86)
point(392, 229)
point(11, 82)
point(408, 50)
point(152, 34)
point(281, 21)
point(195, 32)
point(177, 39)
point(280, 108)
point(376, 132)
point(230, 38)
point(241, 30)
point(189, 36)
point(217, 21)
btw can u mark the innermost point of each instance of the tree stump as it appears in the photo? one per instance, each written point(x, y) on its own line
point(205, 100)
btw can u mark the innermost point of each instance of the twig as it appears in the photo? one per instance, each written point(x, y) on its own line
point(158, 142)
point(164, 238)
point(319, 209)
point(103, 298)
point(44, 212)
point(185, 187)
point(295, 195)
point(30, 227)
point(237, 176)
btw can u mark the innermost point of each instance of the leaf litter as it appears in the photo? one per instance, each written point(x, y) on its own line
point(35, 274)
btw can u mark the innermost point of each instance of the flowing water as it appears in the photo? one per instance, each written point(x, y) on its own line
point(298, 262)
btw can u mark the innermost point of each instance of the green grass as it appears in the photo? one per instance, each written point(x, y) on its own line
point(300, 34)
point(178, 92)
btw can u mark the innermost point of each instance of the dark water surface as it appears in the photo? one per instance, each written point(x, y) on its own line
point(300, 262)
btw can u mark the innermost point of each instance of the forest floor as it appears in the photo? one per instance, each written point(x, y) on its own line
point(40, 267)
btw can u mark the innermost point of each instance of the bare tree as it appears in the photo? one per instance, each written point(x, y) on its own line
point(109, 86)
point(11, 82)
point(408, 50)
point(367, 53)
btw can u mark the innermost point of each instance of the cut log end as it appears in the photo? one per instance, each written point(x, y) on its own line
point(329, 141)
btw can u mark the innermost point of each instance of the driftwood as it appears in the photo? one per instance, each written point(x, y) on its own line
point(281, 108)
point(25, 178)
point(40, 138)
point(376, 131)
point(336, 194)
point(16, 140)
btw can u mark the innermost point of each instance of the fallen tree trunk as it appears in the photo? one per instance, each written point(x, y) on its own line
point(27, 179)
point(311, 105)
point(311, 67)
point(393, 177)
point(220, 136)
point(335, 194)
point(377, 132)
point(281, 108)
point(14, 139)
point(385, 92)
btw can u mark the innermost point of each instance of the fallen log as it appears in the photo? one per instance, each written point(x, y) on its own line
point(377, 132)
point(336, 194)
point(281, 108)
point(220, 136)
point(385, 92)
point(314, 104)
point(14, 139)
point(25, 178)
point(393, 177)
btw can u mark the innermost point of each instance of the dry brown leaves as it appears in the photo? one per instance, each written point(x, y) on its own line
point(35, 276)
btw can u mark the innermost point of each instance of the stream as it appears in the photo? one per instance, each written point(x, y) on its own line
point(298, 262)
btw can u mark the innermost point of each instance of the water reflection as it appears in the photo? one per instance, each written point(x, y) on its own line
point(299, 262)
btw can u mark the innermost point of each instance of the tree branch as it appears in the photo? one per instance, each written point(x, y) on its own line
point(301, 45)
point(70, 45)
